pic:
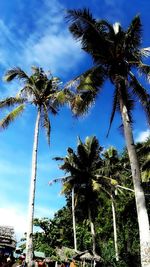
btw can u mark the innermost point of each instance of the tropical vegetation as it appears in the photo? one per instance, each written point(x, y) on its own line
point(118, 57)
point(58, 232)
point(107, 191)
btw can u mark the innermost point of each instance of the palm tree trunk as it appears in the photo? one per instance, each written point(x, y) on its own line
point(29, 242)
point(92, 231)
point(143, 220)
point(73, 220)
point(115, 228)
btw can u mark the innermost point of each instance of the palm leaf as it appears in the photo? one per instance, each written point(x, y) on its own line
point(80, 20)
point(142, 95)
point(133, 34)
point(11, 101)
point(53, 109)
point(87, 86)
point(86, 29)
point(4, 123)
point(46, 123)
point(114, 107)
point(145, 51)
point(144, 69)
point(16, 73)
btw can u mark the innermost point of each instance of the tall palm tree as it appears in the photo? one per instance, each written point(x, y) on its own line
point(117, 55)
point(43, 92)
point(82, 166)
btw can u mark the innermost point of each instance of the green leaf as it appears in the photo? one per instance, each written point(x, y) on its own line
point(4, 123)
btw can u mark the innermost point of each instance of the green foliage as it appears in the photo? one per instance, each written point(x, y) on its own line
point(39, 89)
point(115, 52)
point(58, 231)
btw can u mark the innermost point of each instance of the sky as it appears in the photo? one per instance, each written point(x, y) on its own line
point(35, 32)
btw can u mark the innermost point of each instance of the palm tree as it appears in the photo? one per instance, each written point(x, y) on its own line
point(81, 166)
point(115, 52)
point(42, 91)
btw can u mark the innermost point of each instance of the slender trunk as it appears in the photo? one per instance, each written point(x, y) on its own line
point(73, 220)
point(29, 242)
point(115, 228)
point(143, 221)
point(92, 231)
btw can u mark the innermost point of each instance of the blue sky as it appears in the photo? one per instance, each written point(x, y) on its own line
point(34, 32)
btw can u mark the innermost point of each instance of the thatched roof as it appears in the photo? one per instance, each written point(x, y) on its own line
point(87, 256)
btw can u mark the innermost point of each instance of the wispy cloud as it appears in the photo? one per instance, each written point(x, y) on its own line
point(48, 44)
point(58, 53)
point(142, 136)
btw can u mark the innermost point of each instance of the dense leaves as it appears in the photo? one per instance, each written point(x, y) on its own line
point(58, 231)
point(115, 52)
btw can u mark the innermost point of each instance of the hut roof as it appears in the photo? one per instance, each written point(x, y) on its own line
point(87, 256)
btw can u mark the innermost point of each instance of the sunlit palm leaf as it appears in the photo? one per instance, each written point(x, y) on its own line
point(16, 73)
point(4, 123)
point(145, 52)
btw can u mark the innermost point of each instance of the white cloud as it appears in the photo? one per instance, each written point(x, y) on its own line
point(49, 44)
point(58, 53)
point(142, 136)
point(14, 216)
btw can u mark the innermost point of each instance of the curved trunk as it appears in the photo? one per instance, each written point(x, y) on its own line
point(29, 242)
point(115, 228)
point(143, 221)
point(73, 220)
point(92, 231)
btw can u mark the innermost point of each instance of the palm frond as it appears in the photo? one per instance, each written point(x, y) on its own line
point(16, 73)
point(142, 95)
point(57, 99)
point(145, 51)
point(114, 107)
point(4, 123)
point(87, 87)
point(80, 20)
point(144, 69)
point(53, 109)
point(46, 123)
point(11, 101)
point(133, 34)
point(86, 29)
